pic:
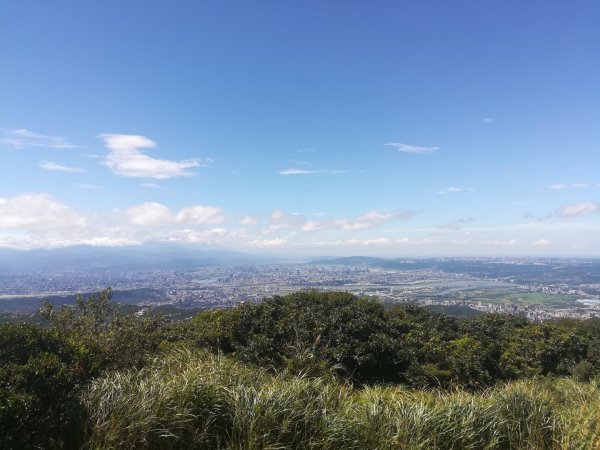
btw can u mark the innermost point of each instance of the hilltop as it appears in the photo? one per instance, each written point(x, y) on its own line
point(307, 370)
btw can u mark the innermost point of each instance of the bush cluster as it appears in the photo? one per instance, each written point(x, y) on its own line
point(308, 370)
point(319, 333)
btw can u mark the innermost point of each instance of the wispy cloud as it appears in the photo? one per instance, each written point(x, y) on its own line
point(371, 219)
point(562, 227)
point(453, 189)
point(509, 242)
point(530, 215)
point(381, 241)
point(22, 138)
point(305, 150)
point(47, 165)
point(406, 148)
point(126, 159)
point(567, 186)
point(541, 243)
point(299, 162)
point(281, 220)
point(579, 209)
point(209, 237)
point(249, 220)
point(150, 185)
point(454, 225)
point(201, 215)
point(310, 172)
point(489, 121)
point(268, 243)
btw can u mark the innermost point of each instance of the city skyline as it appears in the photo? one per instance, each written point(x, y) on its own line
point(344, 128)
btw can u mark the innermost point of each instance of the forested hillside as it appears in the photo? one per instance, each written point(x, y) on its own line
point(309, 370)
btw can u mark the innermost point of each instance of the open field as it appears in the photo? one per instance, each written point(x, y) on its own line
point(515, 296)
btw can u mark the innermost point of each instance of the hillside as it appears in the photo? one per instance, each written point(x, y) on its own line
point(320, 370)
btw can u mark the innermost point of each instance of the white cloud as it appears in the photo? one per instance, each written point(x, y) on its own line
point(150, 214)
point(125, 158)
point(405, 148)
point(489, 121)
point(60, 241)
point(267, 243)
point(156, 214)
point(22, 138)
point(210, 237)
point(201, 215)
point(37, 211)
point(566, 186)
point(541, 243)
point(314, 225)
point(371, 219)
point(150, 185)
point(452, 189)
point(47, 165)
point(281, 220)
point(366, 242)
point(579, 209)
point(510, 242)
point(382, 242)
point(310, 172)
point(562, 227)
point(249, 220)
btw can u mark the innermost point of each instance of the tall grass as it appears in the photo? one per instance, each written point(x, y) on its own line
point(191, 399)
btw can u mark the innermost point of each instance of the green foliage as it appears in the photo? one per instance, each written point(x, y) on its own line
point(324, 333)
point(88, 317)
point(312, 333)
point(181, 401)
point(38, 377)
point(305, 370)
point(214, 329)
point(192, 399)
point(42, 370)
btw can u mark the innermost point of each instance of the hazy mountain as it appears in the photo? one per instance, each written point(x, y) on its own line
point(349, 260)
point(85, 258)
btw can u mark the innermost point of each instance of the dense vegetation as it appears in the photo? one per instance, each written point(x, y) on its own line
point(309, 370)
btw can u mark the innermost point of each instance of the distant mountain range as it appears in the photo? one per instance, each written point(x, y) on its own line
point(169, 256)
point(518, 270)
point(86, 258)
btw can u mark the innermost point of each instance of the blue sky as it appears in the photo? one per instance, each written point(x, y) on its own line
point(302, 128)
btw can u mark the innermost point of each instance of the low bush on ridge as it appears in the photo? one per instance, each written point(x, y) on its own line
point(312, 369)
point(193, 399)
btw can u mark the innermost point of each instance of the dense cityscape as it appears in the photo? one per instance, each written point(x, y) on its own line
point(223, 286)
